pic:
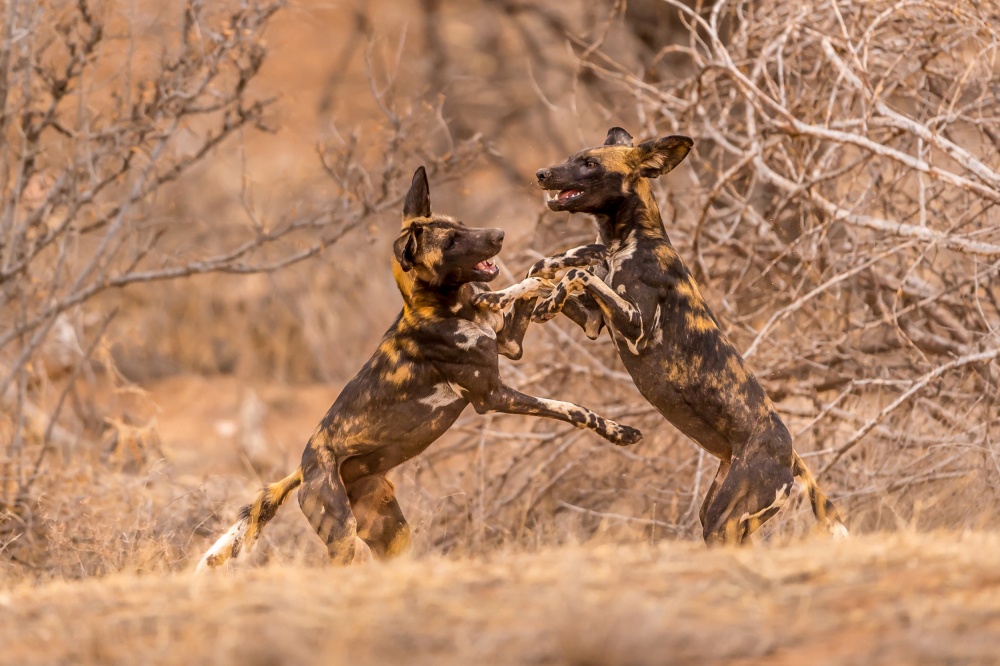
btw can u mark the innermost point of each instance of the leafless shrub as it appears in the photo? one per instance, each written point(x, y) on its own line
point(98, 124)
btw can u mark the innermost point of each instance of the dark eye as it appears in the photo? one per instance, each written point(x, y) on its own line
point(590, 164)
point(450, 243)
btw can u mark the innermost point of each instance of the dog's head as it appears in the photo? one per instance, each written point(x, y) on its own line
point(598, 179)
point(439, 250)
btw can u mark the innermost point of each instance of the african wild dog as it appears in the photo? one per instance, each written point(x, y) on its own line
point(439, 356)
point(667, 336)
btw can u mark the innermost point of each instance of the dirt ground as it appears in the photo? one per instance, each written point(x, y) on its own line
point(900, 599)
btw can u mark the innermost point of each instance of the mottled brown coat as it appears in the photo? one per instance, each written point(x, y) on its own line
point(439, 356)
point(667, 336)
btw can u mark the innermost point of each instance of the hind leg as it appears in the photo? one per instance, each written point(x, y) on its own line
point(753, 491)
point(325, 503)
point(713, 489)
point(380, 520)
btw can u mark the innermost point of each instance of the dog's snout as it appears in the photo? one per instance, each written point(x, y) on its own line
point(543, 174)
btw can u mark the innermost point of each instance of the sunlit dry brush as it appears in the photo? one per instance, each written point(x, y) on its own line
point(89, 139)
point(899, 599)
point(108, 119)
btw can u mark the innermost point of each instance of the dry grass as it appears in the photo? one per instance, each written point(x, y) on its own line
point(913, 599)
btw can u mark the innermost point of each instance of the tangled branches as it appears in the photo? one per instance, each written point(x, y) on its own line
point(98, 121)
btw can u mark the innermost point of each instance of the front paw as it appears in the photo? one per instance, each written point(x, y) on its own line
point(543, 268)
point(490, 299)
point(580, 257)
point(625, 435)
point(545, 310)
point(591, 255)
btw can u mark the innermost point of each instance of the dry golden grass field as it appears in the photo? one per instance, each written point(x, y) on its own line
point(899, 599)
point(198, 200)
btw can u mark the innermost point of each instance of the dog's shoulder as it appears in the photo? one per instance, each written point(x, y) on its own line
point(653, 262)
point(453, 333)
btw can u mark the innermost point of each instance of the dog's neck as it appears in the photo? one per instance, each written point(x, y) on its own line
point(420, 296)
point(637, 212)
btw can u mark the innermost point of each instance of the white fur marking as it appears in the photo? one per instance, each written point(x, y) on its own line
point(618, 255)
point(444, 394)
point(469, 334)
point(223, 546)
point(362, 553)
point(780, 497)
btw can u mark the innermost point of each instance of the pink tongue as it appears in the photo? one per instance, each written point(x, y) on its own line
point(483, 266)
point(566, 194)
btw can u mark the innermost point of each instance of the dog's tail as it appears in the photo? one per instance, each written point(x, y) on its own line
point(252, 519)
point(822, 507)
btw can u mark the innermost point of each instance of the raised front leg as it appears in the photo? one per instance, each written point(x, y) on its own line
point(509, 401)
point(583, 311)
point(503, 298)
point(519, 301)
point(583, 256)
point(619, 312)
point(515, 325)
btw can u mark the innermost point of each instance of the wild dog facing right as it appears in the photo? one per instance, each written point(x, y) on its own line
point(439, 356)
point(667, 336)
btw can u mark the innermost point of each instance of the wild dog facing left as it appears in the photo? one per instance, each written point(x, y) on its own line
point(666, 335)
point(439, 356)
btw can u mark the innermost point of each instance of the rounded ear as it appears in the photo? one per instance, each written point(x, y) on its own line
point(406, 246)
point(418, 200)
point(618, 137)
point(659, 156)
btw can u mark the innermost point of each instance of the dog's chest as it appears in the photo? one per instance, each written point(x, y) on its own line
point(469, 333)
point(619, 254)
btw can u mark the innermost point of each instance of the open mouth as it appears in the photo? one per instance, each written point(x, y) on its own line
point(488, 266)
point(563, 195)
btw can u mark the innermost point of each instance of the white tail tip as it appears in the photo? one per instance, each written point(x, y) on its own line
point(838, 531)
point(222, 550)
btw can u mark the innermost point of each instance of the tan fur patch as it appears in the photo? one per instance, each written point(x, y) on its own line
point(399, 375)
point(619, 159)
point(699, 322)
